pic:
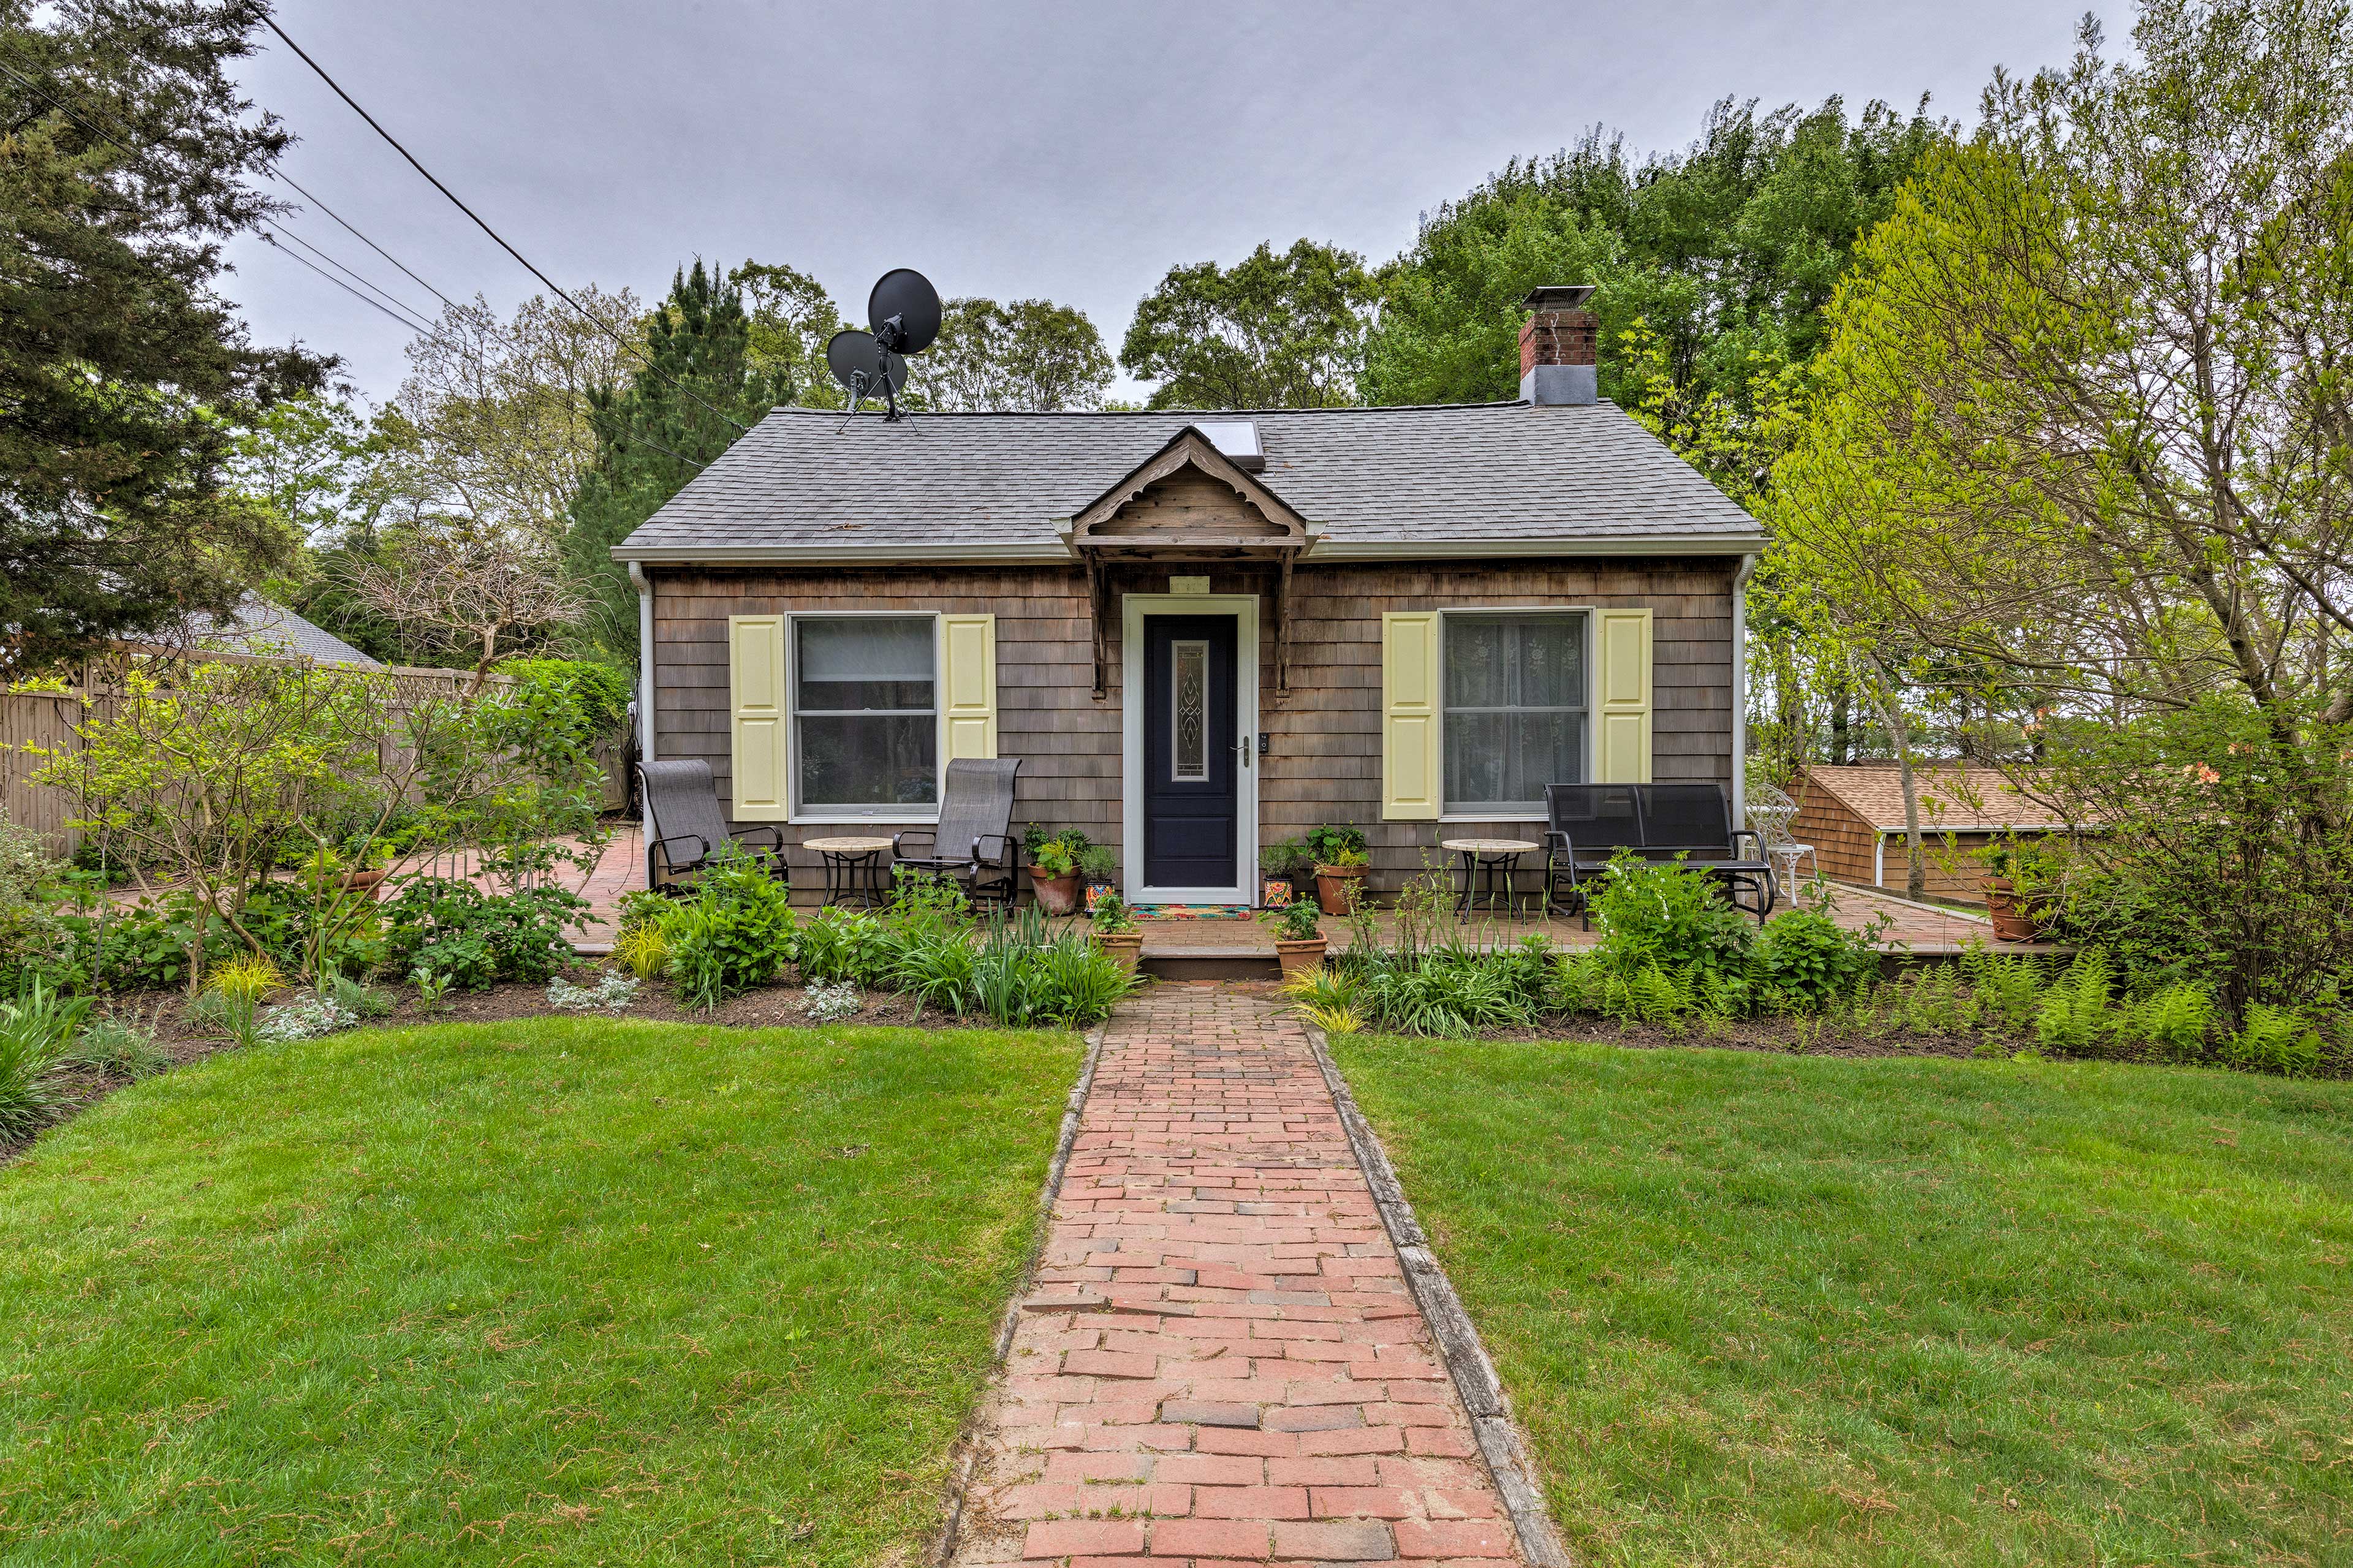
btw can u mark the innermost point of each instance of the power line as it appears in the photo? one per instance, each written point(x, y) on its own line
point(415, 325)
point(282, 175)
point(357, 277)
point(272, 240)
point(394, 142)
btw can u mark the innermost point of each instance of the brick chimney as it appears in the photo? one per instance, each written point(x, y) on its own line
point(1558, 346)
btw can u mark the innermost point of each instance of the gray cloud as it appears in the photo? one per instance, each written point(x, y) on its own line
point(1065, 150)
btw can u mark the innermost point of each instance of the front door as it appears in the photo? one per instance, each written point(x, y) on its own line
point(1192, 755)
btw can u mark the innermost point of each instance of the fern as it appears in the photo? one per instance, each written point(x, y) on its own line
point(2275, 1039)
point(2175, 1021)
point(2075, 1016)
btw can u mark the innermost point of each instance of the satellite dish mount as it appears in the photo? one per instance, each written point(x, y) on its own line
point(904, 311)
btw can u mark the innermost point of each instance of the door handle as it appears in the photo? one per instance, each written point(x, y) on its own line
point(1243, 745)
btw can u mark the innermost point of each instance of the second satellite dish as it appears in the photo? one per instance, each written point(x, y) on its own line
point(863, 365)
point(905, 312)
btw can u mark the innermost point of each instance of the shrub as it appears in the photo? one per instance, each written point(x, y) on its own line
point(467, 937)
point(839, 944)
point(1806, 959)
point(1671, 914)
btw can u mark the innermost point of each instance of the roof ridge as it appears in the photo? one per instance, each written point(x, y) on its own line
point(1163, 413)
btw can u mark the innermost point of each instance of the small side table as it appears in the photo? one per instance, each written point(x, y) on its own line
point(1498, 857)
point(853, 869)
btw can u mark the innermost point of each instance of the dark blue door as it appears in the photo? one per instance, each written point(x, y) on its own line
point(1191, 759)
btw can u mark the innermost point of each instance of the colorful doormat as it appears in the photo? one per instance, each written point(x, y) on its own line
point(1193, 912)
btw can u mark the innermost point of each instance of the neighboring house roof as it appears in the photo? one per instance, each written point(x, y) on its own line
point(1464, 480)
point(259, 627)
point(1952, 800)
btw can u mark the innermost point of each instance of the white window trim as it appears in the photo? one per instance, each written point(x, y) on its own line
point(831, 815)
point(1243, 607)
point(1592, 702)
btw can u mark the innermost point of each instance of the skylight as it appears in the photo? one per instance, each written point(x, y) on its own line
point(1236, 438)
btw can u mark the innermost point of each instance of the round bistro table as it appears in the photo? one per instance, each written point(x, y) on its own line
point(853, 869)
point(1498, 857)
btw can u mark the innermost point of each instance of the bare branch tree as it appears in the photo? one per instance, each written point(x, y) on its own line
point(469, 590)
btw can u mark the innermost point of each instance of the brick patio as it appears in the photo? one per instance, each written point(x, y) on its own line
point(1219, 1361)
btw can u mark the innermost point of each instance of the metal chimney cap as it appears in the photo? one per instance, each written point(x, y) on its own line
point(1558, 297)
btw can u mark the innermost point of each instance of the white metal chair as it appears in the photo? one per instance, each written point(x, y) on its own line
point(1770, 813)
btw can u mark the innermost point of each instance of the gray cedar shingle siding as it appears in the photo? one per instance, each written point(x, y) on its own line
point(1456, 477)
point(1325, 761)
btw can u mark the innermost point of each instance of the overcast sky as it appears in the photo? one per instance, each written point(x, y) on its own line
point(1073, 151)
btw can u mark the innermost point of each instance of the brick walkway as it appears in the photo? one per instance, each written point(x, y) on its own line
point(1219, 1361)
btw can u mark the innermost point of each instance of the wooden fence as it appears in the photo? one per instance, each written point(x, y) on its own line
point(33, 723)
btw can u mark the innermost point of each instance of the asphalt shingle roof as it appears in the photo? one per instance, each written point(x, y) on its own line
point(263, 627)
point(1968, 799)
point(1456, 475)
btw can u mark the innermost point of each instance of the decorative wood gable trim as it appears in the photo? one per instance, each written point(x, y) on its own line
point(1189, 449)
point(1282, 537)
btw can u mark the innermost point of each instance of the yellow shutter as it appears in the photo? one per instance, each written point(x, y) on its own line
point(968, 652)
point(1622, 748)
point(1409, 772)
point(755, 727)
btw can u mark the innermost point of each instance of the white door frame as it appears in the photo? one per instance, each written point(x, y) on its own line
point(1243, 607)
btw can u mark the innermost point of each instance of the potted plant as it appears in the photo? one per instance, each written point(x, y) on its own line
point(1341, 861)
point(1299, 939)
point(1115, 932)
point(1096, 864)
point(1288, 867)
point(2016, 897)
point(1054, 873)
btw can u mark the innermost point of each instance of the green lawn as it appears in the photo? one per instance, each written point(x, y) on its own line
point(1758, 1309)
point(559, 1291)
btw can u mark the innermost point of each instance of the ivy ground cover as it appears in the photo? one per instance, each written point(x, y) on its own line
point(1772, 1310)
point(574, 1290)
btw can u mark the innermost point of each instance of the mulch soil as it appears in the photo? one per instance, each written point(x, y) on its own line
point(1779, 1036)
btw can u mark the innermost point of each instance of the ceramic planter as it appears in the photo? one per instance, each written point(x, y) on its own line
point(366, 881)
point(1301, 957)
point(2010, 920)
point(1125, 948)
point(1337, 888)
point(1057, 895)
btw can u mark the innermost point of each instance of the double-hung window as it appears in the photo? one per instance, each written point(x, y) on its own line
point(866, 718)
point(1514, 714)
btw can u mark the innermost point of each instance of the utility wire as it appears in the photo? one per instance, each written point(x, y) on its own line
point(394, 142)
point(406, 310)
point(405, 320)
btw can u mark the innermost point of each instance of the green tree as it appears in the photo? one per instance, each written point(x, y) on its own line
point(1273, 331)
point(695, 392)
point(1714, 264)
point(791, 320)
point(1030, 354)
point(124, 377)
point(2082, 427)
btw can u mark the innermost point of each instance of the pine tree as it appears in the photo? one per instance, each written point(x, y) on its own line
point(694, 393)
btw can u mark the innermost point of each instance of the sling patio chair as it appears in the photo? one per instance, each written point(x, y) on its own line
point(974, 844)
point(1588, 824)
point(684, 825)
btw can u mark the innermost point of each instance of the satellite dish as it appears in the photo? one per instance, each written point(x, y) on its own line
point(905, 312)
point(864, 366)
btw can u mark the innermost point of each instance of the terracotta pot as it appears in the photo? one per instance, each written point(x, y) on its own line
point(1301, 957)
point(2010, 920)
point(1123, 947)
point(1058, 895)
point(1337, 888)
point(366, 881)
